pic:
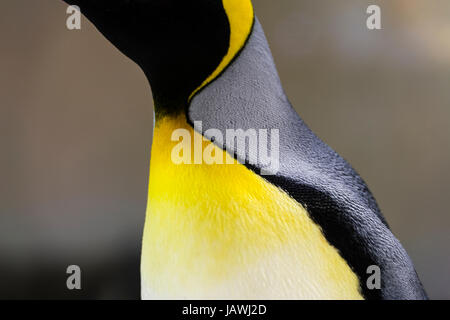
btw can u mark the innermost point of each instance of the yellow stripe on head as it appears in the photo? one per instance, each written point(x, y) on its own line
point(241, 17)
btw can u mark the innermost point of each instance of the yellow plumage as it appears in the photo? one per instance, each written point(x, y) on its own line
point(223, 232)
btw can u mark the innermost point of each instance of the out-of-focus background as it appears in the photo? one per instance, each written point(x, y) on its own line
point(76, 129)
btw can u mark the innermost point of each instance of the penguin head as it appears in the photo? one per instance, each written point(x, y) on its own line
point(177, 43)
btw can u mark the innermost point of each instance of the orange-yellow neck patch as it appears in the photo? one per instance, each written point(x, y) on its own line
point(241, 17)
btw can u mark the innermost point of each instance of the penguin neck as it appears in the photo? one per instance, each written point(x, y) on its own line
point(245, 92)
point(193, 73)
point(248, 93)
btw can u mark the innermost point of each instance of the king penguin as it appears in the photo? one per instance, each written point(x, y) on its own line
point(309, 230)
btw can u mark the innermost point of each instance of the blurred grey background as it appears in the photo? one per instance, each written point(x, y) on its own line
point(76, 130)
